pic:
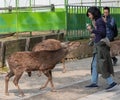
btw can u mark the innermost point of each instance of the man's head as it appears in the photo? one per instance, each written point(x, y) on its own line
point(106, 11)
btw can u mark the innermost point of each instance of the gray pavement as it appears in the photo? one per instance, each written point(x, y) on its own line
point(104, 95)
point(114, 94)
point(69, 85)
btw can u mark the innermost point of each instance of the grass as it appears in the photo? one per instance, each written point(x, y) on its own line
point(3, 70)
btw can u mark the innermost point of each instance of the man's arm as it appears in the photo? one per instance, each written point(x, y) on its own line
point(111, 23)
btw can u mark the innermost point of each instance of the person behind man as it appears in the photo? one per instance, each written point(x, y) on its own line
point(101, 62)
point(110, 22)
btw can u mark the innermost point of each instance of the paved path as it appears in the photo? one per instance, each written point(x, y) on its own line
point(70, 85)
point(103, 95)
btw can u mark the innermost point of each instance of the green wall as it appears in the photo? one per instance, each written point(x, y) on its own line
point(31, 21)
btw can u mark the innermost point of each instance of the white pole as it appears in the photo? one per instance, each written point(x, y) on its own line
point(49, 2)
point(5, 4)
point(81, 2)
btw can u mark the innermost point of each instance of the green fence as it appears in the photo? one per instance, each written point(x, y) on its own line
point(73, 20)
point(77, 20)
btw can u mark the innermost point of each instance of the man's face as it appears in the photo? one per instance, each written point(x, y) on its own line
point(106, 12)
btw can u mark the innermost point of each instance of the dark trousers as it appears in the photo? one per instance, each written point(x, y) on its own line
point(113, 58)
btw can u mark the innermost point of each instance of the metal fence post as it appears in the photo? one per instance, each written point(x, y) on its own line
point(66, 20)
point(3, 54)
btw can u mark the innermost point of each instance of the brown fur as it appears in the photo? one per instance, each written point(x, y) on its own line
point(115, 48)
point(52, 45)
point(48, 45)
point(43, 58)
point(43, 61)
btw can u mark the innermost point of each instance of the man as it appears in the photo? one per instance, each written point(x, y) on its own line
point(110, 22)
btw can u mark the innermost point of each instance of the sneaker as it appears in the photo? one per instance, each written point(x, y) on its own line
point(111, 86)
point(92, 85)
point(115, 61)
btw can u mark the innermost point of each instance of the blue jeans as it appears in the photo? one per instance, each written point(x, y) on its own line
point(94, 78)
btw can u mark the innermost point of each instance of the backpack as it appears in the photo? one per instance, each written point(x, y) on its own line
point(115, 30)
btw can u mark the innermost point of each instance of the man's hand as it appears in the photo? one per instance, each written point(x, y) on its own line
point(104, 19)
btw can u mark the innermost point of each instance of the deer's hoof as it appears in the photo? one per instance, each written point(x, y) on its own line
point(42, 87)
point(7, 94)
point(23, 95)
point(53, 90)
point(64, 71)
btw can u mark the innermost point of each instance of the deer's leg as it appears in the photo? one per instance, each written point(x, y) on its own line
point(64, 68)
point(39, 73)
point(16, 80)
point(46, 73)
point(7, 77)
point(51, 81)
point(29, 74)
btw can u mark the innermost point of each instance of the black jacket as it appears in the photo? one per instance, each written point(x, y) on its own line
point(104, 62)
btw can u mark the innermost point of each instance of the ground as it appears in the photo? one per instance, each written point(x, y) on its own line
point(69, 85)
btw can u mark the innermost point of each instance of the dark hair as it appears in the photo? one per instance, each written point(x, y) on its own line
point(106, 8)
point(95, 12)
